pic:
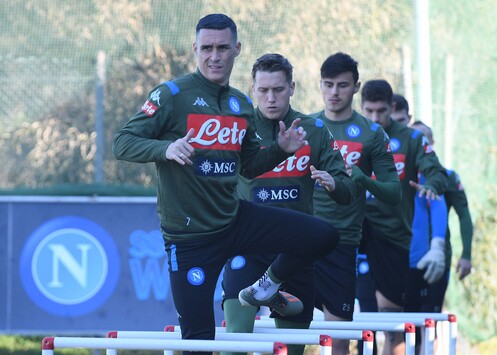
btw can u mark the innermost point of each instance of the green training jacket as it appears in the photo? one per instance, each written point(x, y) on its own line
point(366, 145)
point(412, 153)
point(289, 184)
point(199, 199)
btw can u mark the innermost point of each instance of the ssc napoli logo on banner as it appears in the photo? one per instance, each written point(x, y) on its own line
point(69, 266)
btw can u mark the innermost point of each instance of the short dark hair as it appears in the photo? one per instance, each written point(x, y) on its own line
point(273, 62)
point(339, 63)
point(400, 103)
point(421, 123)
point(217, 22)
point(377, 90)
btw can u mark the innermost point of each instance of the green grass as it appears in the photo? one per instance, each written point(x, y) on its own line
point(31, 345)
point(19, 345)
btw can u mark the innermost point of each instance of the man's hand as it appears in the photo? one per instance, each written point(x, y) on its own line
point(324, 178)
point(433, 261)
point(425, 191)
point(180, 150)
point(354, 172)
point(463, 268)
point(293, 138)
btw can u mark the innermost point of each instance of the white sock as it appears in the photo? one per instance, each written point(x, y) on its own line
point(264, 288)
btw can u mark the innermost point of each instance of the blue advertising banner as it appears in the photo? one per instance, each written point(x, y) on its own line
point(77, 265)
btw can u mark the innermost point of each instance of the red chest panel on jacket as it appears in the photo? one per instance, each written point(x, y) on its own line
point(217, 132)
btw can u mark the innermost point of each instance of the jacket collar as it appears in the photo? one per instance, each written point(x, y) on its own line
point(264, 121)
point(209, 86)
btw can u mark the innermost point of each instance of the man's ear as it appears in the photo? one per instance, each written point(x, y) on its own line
point(357, 86)
point(292, 88)
point(238, 48)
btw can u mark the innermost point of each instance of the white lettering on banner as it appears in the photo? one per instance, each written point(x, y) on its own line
point(211, 132)
point(62, 256)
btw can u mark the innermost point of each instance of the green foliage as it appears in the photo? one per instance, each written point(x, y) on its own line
point(59, 148)
point(464, 30)
point(51, 138)
point(474, 299)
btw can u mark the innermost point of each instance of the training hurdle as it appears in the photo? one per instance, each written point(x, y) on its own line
point(408, 328)
point(365, 335)
point(418, 319)
point(173, 332)
point(450, 342)
point(50, 343)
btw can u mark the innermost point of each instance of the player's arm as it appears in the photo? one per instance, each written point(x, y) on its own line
point(339, 186)
point(427, 162)
point(466, 230)
point(465, 227)
point(438, 218)
point(433, 262)
point(138, 141)
point(456, 196)
point(386, 184)
point(331, 173)
point(256, 161)
point(386, 187)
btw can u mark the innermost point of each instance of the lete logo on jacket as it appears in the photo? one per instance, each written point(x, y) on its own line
point(296, 165)
point(217, 132)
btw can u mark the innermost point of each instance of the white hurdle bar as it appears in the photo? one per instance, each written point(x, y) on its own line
point(450, 342)
point(365, 335)
point(408, 328)
point(417, 319)
point(50, 343)
point(172, 332)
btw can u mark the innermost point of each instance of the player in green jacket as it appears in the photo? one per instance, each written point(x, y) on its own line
point(199, 132)
point(387, 229)
point(289, 185)
point(455, 197)
point(365, 148)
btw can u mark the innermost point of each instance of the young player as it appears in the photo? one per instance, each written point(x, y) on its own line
point(365, 149)
point(289, 185)
point(387, 229)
